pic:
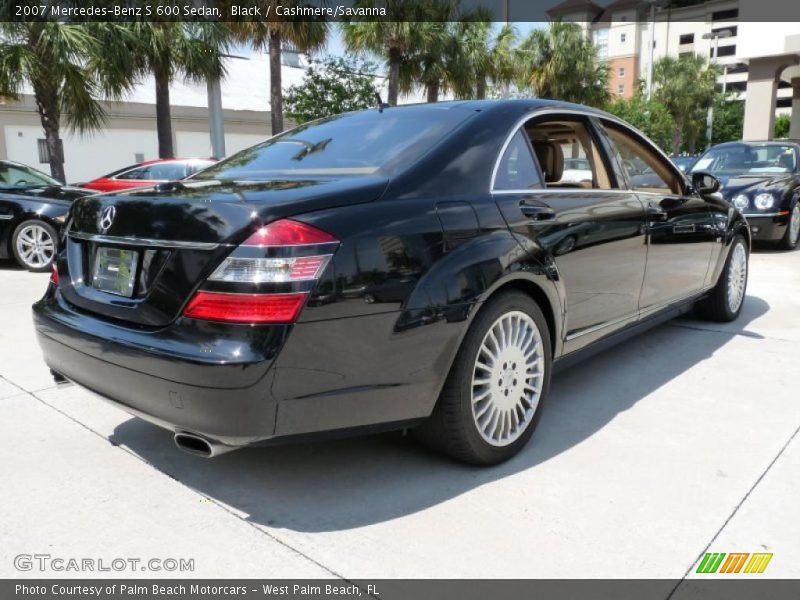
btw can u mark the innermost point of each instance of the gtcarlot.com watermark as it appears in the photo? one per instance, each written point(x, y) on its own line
point(45, 563)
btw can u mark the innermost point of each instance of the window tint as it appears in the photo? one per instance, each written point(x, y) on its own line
point(567, 155)
point(516, 170)
point(137, 173)
point(646, 171)
point(351, 144)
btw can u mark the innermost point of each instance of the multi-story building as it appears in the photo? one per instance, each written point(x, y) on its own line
point(631, 35)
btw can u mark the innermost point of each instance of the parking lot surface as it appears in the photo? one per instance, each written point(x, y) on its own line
point(681, 441)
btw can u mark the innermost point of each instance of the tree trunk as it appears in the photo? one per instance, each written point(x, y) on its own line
point(677, 137)
point(480, 87)
point(433, 91)
point(50, 117)
point(275, 84)
point(394, 75)
point(163, 117)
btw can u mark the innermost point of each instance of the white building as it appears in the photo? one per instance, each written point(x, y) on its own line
point(130, 133)
point(721, 30)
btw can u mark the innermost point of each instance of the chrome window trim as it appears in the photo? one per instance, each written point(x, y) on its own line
point(566, 190)
point(6, 217)
point(144, 242)
point(535, 113)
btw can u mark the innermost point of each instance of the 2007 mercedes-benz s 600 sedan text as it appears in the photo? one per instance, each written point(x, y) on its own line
point(424, 266)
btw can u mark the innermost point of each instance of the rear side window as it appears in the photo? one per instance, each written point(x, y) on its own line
point(646, 171)
point(516, 170)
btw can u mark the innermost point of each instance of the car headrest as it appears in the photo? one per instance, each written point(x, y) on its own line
point(551, 159)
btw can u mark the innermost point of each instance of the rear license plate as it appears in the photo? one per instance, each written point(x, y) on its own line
point(115, 270)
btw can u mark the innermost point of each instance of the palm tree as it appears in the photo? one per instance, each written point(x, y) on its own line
point(684, 86)
point(168, 50)
point(559, 62)
point(482, 59)
point(69, 67)
point(391, 40)
point(271, 35)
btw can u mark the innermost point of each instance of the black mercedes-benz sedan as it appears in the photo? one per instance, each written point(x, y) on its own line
point(761, 179)
point(33, 208)
point(417, 267)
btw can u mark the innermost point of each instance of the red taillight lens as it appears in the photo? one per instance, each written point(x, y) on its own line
point(288, 233)
point(54, 274)
point(246, 308)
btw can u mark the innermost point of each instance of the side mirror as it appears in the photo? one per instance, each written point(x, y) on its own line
point(705, 183)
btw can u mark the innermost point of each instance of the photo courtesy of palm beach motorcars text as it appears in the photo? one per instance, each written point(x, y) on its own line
point(399, 299)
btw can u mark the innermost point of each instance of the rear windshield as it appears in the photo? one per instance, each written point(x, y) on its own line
point(353, 144)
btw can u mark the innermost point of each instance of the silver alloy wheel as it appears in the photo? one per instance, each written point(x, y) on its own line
point(794, 225)
point(507, 378)
point(35, 246)
point(737, 277)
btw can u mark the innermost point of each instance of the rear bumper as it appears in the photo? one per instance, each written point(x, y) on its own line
point(769, 228)
point(228, 402)
point(226, 383)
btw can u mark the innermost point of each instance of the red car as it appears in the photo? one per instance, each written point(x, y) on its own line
point(149, 173)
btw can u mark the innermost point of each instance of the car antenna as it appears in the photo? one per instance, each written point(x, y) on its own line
point(381, 104)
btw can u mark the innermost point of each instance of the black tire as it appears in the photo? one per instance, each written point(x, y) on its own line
point(716, 307)
point(39, 262)
point(452, 428)
point(787, 242)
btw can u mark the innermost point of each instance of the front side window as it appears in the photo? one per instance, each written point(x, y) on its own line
point(516, 169)
point(19, 176)
point(646, 171)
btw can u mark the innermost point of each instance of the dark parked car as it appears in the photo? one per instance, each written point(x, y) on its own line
point(385, 269)
point(761, 179)
point(33, 207)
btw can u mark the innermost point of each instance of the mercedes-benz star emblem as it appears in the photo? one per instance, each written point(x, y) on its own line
point(106, 218)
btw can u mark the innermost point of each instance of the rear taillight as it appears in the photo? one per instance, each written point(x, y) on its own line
point(246, 308)
point(268, 278)
point(54, 274)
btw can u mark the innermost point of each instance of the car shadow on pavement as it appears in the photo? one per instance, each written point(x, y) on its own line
point(343, 484)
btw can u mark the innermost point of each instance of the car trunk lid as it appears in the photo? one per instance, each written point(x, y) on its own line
point(138, 257)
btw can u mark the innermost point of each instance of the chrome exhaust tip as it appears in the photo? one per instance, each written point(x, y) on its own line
point(59, 379)
point(197, 445)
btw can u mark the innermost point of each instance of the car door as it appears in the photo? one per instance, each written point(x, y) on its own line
point(681, 229)
point(590, 230)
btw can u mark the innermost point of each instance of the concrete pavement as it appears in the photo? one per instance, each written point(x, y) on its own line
point(681, 441)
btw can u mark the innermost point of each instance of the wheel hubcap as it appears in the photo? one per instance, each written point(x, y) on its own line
point(35, 246)
point(794, 225)
point(507, 378)
point(737, 277)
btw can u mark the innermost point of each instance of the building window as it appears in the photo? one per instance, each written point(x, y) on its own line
point(622, 71)
point(687, 38)
point(723, 51)
point(138, 157)
point(44, 153)
point(725, 14)
point(601, 41)
point(733, 29)
point(622, 37)
point(621, 89)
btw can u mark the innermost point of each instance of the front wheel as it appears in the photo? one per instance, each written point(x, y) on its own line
point(727, 298)
point(792, 235)
point(34, 244)
point(492, 399)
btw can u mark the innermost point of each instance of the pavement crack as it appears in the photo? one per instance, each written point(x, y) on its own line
point(734, 511)
point(728, 332)
point(214, 501)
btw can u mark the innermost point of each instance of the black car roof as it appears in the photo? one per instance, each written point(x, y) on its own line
point(520, 104)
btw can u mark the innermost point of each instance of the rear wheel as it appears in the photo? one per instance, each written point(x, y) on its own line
point(726, 299)
point(493, 396)
point(34, 245)
point(792, 235)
